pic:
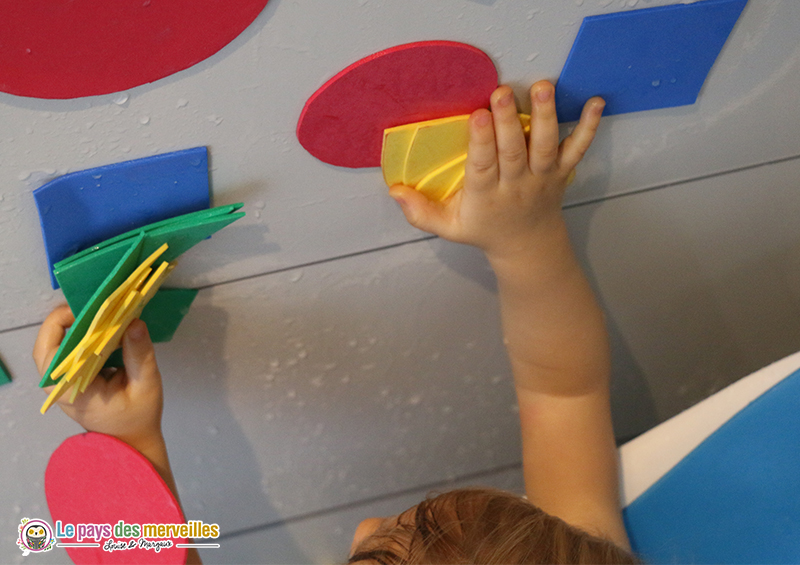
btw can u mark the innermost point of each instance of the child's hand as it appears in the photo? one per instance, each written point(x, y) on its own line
point(511, 190)
point(129, 405)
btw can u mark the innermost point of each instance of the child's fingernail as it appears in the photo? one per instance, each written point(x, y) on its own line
point(483, 120)
point(506, 99)
point(136, 332)
point(543, 94)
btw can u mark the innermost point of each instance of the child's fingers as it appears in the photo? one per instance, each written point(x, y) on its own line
point(421, 212)
point(574, 147)
point(139, 356)
point(544, 128)
point(512, 151)
point(50, 335)
point(481, 164)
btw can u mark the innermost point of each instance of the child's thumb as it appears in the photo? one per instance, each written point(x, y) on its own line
point(420, 212)
point(138, 353)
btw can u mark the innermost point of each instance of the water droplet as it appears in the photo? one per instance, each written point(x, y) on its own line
point(24, 175)
point(182, 103)
point(215, 119)
point(144, 120)
point(656, 83)
point(296, 276)
point(414, 400)
point(121, 98)
point(532, 56)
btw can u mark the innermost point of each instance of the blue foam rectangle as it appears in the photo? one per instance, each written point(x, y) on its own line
point(645, 59)
point(83, 208)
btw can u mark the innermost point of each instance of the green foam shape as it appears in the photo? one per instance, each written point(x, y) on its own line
point(163, 314)
point(191, 217)
point(79, 275)
point(127, 264)
point(5, 376)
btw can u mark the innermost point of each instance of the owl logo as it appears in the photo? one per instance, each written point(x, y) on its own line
point(35, 535)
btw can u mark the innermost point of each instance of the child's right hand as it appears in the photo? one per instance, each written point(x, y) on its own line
point(129, 405)
point(511, 190)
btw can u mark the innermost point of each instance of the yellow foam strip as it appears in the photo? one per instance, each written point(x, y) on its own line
point(55, 394)
point(396, 142)
point(438, 184)
point(95, 364)
point(437, 142)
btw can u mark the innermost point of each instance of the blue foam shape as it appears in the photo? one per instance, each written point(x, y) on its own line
point(736, 497)
point(83, 208)
point(645, 59)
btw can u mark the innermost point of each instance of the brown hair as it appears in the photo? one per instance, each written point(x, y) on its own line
point(486, 526)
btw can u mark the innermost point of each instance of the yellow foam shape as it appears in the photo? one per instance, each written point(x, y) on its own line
point(55, 394)
point(436, 142)
point(442, 182)
point(396, 142)
point(433, 154)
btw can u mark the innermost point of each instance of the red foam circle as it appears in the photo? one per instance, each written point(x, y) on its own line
point(97, 479)
point(343, 122)
point(71, 48)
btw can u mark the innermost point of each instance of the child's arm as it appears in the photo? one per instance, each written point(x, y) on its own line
point(554, 330)
point(128, 406)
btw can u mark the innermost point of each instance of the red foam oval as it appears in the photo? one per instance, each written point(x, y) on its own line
point(97, 479)
point(71, 48)
point(343, 122)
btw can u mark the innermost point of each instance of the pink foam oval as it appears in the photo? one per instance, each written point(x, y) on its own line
point(97, 479)
point(343, 122)
point(68, 49)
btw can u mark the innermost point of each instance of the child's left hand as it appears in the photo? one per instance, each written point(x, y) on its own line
point(128, 406)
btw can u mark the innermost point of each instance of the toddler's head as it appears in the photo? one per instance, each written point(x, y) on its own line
point(479, 526)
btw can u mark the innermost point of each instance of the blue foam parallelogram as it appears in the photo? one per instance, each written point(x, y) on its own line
point(83, 208)
point(736, 497)
point(645, 59)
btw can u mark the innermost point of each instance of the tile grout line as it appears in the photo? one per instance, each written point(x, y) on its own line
point(570, 206)
point(365, 501)
point(634, 192)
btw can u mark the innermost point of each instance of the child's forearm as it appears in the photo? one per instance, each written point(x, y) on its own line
point(155, 450)
point(553, 327)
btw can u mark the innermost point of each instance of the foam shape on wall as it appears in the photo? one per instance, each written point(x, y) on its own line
point(733, 499)
point(166, 310)
point(431, 155)
point(83, 208)
point(180, 234)
point(342, 123)
point(93, 478)
point(645, 59)
point(65, 49)
point(5, 375)
point(81, 274)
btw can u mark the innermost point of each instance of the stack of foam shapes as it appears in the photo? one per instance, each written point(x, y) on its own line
point(79, 209)
point(67, 49)
point(645, 59)
point(430, 156)
point(91, 277)
point(97, 479)
point(5, 375)
point(343, 122)
point(80, 367)
point(734, 498)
